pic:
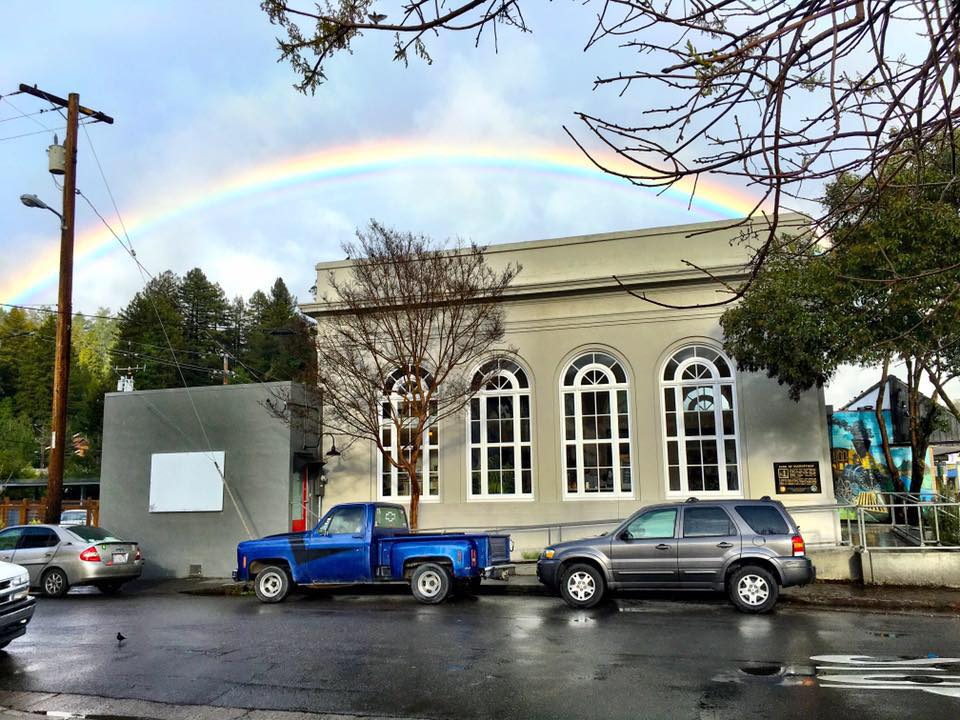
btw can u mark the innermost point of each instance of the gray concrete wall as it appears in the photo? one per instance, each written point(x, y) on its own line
point(927, 568)
point(257, 469)
point(836, 563)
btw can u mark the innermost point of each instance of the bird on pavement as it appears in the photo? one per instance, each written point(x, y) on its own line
point(120, 638)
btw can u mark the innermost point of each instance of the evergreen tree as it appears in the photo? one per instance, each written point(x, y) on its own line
point(205, 312)
point(280, 343)
point(94, 338)
point(17, 444)
point(149, 325)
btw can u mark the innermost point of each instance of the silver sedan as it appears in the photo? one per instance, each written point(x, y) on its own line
point(58, 558)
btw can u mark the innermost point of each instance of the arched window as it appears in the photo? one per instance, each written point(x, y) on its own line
point(700, 423)
point(499, 432)
point(403, 387)
point(596, 427)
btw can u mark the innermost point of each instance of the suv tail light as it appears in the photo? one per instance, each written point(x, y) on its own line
point(138, 556)
point(90, 554)
point(473, 557)
point(798, 547)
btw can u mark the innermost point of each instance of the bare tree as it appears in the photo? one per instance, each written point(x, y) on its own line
point(779, 95)
point(398, 337)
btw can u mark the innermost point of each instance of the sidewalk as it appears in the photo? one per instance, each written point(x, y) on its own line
point(820, 595)
point(26, 705)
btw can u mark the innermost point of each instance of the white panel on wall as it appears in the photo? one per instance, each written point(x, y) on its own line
point(186, 482)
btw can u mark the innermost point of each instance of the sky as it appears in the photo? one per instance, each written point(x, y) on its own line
point(215, 161)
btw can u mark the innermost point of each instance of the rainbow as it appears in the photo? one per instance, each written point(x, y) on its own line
point(353, 162)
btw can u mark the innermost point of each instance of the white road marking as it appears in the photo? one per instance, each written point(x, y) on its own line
point(863, 672)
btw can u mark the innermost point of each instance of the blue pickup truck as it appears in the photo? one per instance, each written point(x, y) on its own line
point(363, 543)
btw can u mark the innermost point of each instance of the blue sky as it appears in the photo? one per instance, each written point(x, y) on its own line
point(198, 95)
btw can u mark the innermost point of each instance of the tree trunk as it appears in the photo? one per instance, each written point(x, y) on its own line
point(414, 500)
point(884, 437)
point(410, 468)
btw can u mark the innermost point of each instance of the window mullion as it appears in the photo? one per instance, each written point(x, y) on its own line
point(614, 417)
point(482, 443)
point(681, 439)
point(719, 435)
point(578, 441)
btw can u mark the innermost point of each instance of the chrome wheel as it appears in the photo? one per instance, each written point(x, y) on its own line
point(53, 583)
point(581, 586)
point(271, 584)
point(753, 590)
point(429, 583)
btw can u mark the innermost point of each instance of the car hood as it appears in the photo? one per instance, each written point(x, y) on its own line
point(8, 571)
point(597, 541)
point(279, 536)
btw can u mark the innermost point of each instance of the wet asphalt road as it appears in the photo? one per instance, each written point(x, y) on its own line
point(487, 657)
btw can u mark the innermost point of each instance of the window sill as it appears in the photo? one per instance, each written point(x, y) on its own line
point(500, 498)
point(705, 494)
point(400, 499)
point(579, 497)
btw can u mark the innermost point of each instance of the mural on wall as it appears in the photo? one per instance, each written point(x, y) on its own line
point(856, 453)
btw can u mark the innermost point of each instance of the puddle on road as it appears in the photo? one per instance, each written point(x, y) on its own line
point(762, 670)
point(769, 673)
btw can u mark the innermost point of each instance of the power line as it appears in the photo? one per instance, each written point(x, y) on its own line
point(143, 273)
point(29, 134)
point(151, 358)
point(106, 184)
point(53, 311)
point(41, 132)
point(23, 116)
point(30, 116)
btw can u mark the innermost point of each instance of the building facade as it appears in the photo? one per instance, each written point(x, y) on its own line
point(609, 402)
point(190, 472)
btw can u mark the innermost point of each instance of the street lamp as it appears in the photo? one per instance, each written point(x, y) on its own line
point(33, 201)
point(332, 452)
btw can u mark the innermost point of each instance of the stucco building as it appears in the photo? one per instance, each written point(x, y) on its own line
point(190, 472)
point(610, 402)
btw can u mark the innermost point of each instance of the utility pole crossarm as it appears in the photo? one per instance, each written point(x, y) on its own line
point(56, 100)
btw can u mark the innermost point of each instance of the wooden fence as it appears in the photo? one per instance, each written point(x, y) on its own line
point(24, 512)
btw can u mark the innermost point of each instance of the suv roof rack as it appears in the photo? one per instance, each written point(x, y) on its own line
point(696, 499)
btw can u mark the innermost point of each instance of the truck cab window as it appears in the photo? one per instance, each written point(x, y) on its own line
point(346, 521)
point(391, 518)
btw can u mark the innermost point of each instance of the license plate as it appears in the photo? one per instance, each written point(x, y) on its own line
point(119, 558)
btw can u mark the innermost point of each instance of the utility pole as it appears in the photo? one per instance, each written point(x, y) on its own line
point(61, 372)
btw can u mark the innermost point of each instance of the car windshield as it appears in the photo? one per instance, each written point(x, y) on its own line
point(93, 534)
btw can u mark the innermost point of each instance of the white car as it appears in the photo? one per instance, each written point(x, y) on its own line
point(16, 606)
point(73, 517)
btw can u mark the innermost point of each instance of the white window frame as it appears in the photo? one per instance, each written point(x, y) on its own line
point(716, 383)
point(515, 392)
point(430, 445)
point(577, 388)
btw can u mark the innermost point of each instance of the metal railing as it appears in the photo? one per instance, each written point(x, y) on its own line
point(886, 521)
point(916, 524)
point(553, 531)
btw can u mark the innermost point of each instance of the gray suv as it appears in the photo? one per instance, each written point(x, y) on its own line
point(749, 548)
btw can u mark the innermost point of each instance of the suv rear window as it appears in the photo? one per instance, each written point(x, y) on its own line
point(764, 520)
point(707, 522)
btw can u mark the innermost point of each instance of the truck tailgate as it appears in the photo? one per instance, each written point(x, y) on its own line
point(499, 549)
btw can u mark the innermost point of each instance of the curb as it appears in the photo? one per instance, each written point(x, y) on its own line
point(897, 605)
